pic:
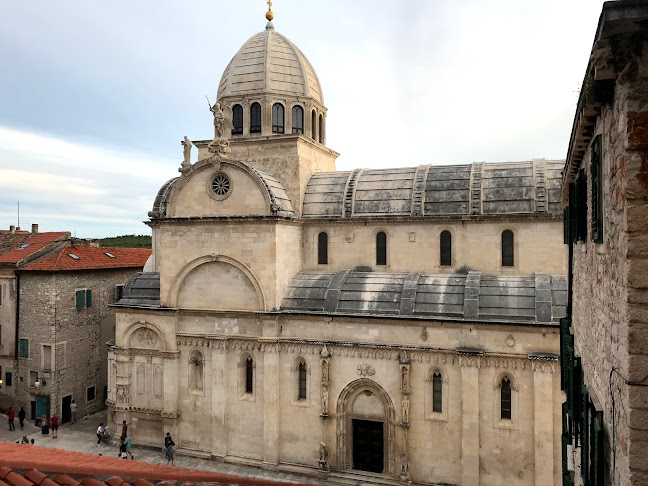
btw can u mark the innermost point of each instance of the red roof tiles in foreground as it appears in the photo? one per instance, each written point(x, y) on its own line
point(84, 257)
point(11, 242)
point(25, 465)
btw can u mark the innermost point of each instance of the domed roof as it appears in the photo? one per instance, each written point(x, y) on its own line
point(270, 63)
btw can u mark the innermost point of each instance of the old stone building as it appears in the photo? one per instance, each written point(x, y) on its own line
point(64, 322)
point(371, 326)
point(17, 248)
point(605, 190)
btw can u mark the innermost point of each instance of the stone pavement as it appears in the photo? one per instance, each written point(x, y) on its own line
point(82, 437)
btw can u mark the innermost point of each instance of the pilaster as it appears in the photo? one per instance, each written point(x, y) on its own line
point(219, 402)
point(543, 414)
point(271, 408)
point(470, 420)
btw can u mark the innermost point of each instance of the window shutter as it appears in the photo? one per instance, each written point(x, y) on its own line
point(585, 435)
point(80, 299)
point(577, 400)
point(596, 169)
point(88, 298)
point(24, 348)
point(566, 225)
point(573, 213)
point(581, 206)
point(564, 330)
point(565, 441)
point(596, 466)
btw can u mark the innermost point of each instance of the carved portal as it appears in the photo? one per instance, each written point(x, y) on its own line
point(345, 414)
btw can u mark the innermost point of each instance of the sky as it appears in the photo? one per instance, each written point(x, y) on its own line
point(95, 97)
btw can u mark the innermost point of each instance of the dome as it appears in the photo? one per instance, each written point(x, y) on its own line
point(270, 63)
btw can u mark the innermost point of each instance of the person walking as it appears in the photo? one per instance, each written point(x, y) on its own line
point(44, 425)
point(127, 443)
point(100, 431)
point(73, 411)
point(54, 424)
point(168, 446)
point(124, 432)
point(21, 418)
point(11, 415)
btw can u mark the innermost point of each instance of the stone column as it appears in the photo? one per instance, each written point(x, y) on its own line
point(219, 393)
point(470, 420)
point(271, 390)
point(170, 393)
point(543, 435)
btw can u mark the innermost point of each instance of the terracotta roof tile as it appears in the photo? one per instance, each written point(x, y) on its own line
point(31, 465)
point(90, 258)
point(10, 244)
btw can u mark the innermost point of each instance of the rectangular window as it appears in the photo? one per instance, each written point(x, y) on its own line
point(47, 357)
point(437, 390)
point(23, 348)
point(9, 379)
point(1, 291)
point(88, 298)
point(596, 171)
point(33, 378)
point(90, 394)
point(119, 292)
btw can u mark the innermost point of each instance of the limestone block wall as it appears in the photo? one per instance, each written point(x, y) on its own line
point(48, 316)
point(7, 334)
point(416, 246)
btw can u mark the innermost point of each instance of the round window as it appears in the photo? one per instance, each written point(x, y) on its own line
point(221, 185)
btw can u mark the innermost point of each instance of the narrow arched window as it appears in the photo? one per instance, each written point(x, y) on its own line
point(255, 118)
point(381, 248)
point(249, 375)
point(302, 381)
point(321, 129)
point(277, 118)
point(446, 249)
point(297, 119)
point(437, 393)
point(322, 249)
point(237, 120)
point(505, 399)
point(508, 255)
point(313, 125)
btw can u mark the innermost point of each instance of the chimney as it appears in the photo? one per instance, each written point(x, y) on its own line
point(34, 229)
point(18, 228)
point(12, 229)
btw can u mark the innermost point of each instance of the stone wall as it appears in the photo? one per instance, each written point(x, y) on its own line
point(7, 335)
point(48, 316)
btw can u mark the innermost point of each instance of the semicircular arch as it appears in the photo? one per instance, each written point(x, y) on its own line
point(152, 336)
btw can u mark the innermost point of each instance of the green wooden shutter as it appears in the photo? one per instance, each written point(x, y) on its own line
point(577, 400)
point(564, 331)
point(581, 206)
point(566, 239)
point(585, 435)
point(596, 466)
point(573, 213)
point(596, 169)
point(80, 299)
point(24, 348)
point(88, 299)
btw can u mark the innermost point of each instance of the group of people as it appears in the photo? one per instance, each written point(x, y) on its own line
point(11, 416)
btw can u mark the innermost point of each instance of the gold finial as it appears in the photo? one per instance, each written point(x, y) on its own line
point(269, 14)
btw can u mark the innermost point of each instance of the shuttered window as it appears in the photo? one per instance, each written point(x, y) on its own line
point(80, 299)
point(508, 254)
point(277, 118)
point(322, 249)
point(381, 248)
point(255, 118)
point(446, 249)
point(437, 393)
point(23, 348)
point(237, 120)
point(88, 298)
point(505, 399)
point(596, 170)
point(302, 381)
point(581, 206)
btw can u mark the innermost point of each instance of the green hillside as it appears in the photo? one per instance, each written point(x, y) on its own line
point(127, 241)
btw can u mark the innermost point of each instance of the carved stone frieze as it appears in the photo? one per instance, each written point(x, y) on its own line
point(365, 369)
point(470, 361)
point(543, 366)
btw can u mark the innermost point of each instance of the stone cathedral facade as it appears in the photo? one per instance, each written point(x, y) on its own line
point(381, 326)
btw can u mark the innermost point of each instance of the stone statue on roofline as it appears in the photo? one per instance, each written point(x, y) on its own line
point(186, 149)
point(220, 145)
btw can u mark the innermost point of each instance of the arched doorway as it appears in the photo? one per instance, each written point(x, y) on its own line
point(365, 428)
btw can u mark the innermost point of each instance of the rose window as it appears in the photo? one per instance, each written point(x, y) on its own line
point(221, 185)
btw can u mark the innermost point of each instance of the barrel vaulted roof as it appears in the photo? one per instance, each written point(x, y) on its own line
point(487, 189)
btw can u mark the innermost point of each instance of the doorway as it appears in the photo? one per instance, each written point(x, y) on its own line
point(66, 413)
point(368, 445)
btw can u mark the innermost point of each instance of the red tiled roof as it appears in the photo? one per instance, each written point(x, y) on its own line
point(25, 465)
point(10, 242)
point(90, 258)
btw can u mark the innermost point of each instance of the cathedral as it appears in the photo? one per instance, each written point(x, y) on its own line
point(373, 326)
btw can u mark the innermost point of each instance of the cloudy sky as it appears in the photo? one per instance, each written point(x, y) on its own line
point(96, 96)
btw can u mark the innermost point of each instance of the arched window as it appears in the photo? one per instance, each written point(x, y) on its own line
point(508, 258)
point(249, 375)
point(505, 399)
point(313, 125)
point(437, 393)
point(196, 362)
point(255, 118)
point(322, 249)
point(297, 119)
point(158, 381)
point(446, 249)
point(321, 129)
point(141, 379)
point(277, 118)
point(237, 120)
point(381, 248)
point(302, 381)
